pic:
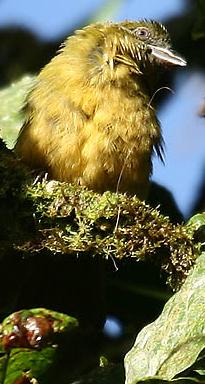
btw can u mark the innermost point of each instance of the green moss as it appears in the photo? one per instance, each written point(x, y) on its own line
point(70, 219)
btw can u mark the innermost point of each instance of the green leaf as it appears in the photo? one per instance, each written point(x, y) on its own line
point(30, 363)
point(196, 221)
point(30, 345)
point(12, 100)
point(172, 343)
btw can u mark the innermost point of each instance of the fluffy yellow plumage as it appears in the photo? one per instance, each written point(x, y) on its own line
point(88, 118)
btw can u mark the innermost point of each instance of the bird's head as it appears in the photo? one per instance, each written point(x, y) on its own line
point(110, 51)
point(152, 42)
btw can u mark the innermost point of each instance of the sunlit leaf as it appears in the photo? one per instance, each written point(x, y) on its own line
point(172, 343)
point(12, 99)
point(196, 221)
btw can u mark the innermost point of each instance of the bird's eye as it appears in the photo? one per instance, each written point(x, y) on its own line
point(142, 32)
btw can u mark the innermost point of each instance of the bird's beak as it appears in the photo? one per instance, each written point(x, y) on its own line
point(166, 56)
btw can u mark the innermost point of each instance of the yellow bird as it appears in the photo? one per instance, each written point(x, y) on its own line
point(89, 118)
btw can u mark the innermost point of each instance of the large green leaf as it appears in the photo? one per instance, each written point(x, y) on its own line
point(12, 100)
point(172, 343)
point(30, 347)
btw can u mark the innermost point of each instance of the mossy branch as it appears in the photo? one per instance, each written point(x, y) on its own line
point(70, 219)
